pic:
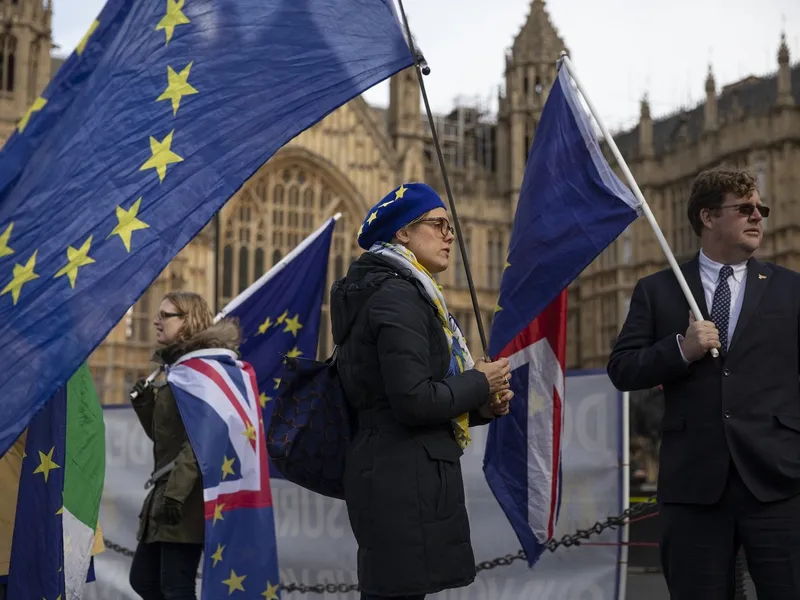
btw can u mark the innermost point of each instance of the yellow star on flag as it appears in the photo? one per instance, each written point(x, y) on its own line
point(372, 217)
point(250, 432)
point(217, 556)
point(271, 593)
point(46, 464)
point(227, 466)
point(265, 325)
point(162, 155)
point(234, 582)
point(401, 191)
point(277, 381)
point(294, 353)
point(497, 307)
point(360, 231)
point(282, 318)
point(293, 325)
point(75, 260)
point(22, 275)
point(37, 105)
point(173, 18)
point(218, 512)
point(4, 237)
point(60, 511)
point(263, 399)
point(178, 87)
point(127, 223)
point(85, 39)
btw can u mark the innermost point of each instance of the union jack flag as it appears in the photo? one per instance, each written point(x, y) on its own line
point(217, 396)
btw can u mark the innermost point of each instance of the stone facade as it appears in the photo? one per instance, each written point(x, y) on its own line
point(350, 159)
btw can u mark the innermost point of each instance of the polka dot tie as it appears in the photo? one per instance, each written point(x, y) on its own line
point(721, 308)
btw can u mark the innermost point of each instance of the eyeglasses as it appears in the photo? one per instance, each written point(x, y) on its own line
point(443, 224)
point(163, 316)
point(747, 209)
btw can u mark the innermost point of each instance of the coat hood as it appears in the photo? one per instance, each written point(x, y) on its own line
point(351, 294)
point(225, 333)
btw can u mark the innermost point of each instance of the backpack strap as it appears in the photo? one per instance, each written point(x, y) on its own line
point(398, 273)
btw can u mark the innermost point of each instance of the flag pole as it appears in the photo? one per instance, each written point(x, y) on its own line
point(639, 196)
point(422, 68)
point(625, 534)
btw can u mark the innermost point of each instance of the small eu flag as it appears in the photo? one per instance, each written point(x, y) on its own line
point(280, 314)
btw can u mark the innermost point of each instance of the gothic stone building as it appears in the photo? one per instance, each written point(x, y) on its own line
point(353, 157)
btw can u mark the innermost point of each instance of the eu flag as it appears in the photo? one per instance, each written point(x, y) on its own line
point(280, 313)
point(164, 110)
point(571, 207)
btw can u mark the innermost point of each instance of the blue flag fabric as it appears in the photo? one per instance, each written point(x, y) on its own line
point(37, 549)
point(164, 110)
point(217, 397)
point(571, 207)
point(280, 314)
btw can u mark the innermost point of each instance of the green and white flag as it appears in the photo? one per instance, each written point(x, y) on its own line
point(84, 475)
point(61, 476)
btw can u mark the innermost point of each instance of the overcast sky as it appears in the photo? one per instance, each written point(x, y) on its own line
point(621, 49)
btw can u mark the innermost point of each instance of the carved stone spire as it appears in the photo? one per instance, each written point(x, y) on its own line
point(785, 97)
point(710, 114)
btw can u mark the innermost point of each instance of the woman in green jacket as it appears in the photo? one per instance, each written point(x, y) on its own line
point(171, 522)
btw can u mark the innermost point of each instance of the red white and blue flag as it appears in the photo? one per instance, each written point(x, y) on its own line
point(571, 207)
point(217, 396)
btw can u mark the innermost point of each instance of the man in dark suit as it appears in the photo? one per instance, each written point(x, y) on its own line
point(729, 474)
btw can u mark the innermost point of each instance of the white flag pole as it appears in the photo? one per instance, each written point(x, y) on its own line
point(626, 495)
point(638, 193)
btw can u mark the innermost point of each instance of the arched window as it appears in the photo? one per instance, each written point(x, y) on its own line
point(244, 270)
point(308, 209)
point(294, 195)
point(259, 265)
point(227, 272)
point(276, 257)
point(8, 57)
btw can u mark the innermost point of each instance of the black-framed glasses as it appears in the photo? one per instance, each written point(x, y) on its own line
point(163, 316)
point(442, 223)
point(747, 209)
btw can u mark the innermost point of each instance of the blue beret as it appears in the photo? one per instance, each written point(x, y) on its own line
point(396, 210)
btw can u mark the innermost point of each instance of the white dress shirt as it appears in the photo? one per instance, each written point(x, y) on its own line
point(709, 277)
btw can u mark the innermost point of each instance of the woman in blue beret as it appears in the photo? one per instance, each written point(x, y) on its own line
point(409, 377)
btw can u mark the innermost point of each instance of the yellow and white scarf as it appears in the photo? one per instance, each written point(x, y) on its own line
point(461, 359)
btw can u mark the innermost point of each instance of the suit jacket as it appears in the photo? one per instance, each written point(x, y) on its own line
point(743, 406)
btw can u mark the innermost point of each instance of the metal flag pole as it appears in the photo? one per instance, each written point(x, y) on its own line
point(639, 196)
point(422, 68)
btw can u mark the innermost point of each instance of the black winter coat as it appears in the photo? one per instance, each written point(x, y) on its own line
point(403, 484)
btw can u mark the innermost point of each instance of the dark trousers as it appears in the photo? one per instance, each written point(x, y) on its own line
point(164, 571)
point(699, 545)
point(370, 597)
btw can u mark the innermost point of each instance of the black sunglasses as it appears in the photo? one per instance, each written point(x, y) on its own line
point(748, 209)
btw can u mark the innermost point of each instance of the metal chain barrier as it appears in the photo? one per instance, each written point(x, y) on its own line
point(566, 541)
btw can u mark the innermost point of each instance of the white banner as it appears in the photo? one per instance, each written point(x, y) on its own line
point(316, 544)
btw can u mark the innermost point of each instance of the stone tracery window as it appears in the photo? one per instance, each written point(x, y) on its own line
point(271, 216)
point(8, 53)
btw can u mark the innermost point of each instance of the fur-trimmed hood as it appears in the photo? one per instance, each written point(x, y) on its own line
point(225, 333)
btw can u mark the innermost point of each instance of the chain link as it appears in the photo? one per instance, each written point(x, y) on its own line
point(566, 541)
